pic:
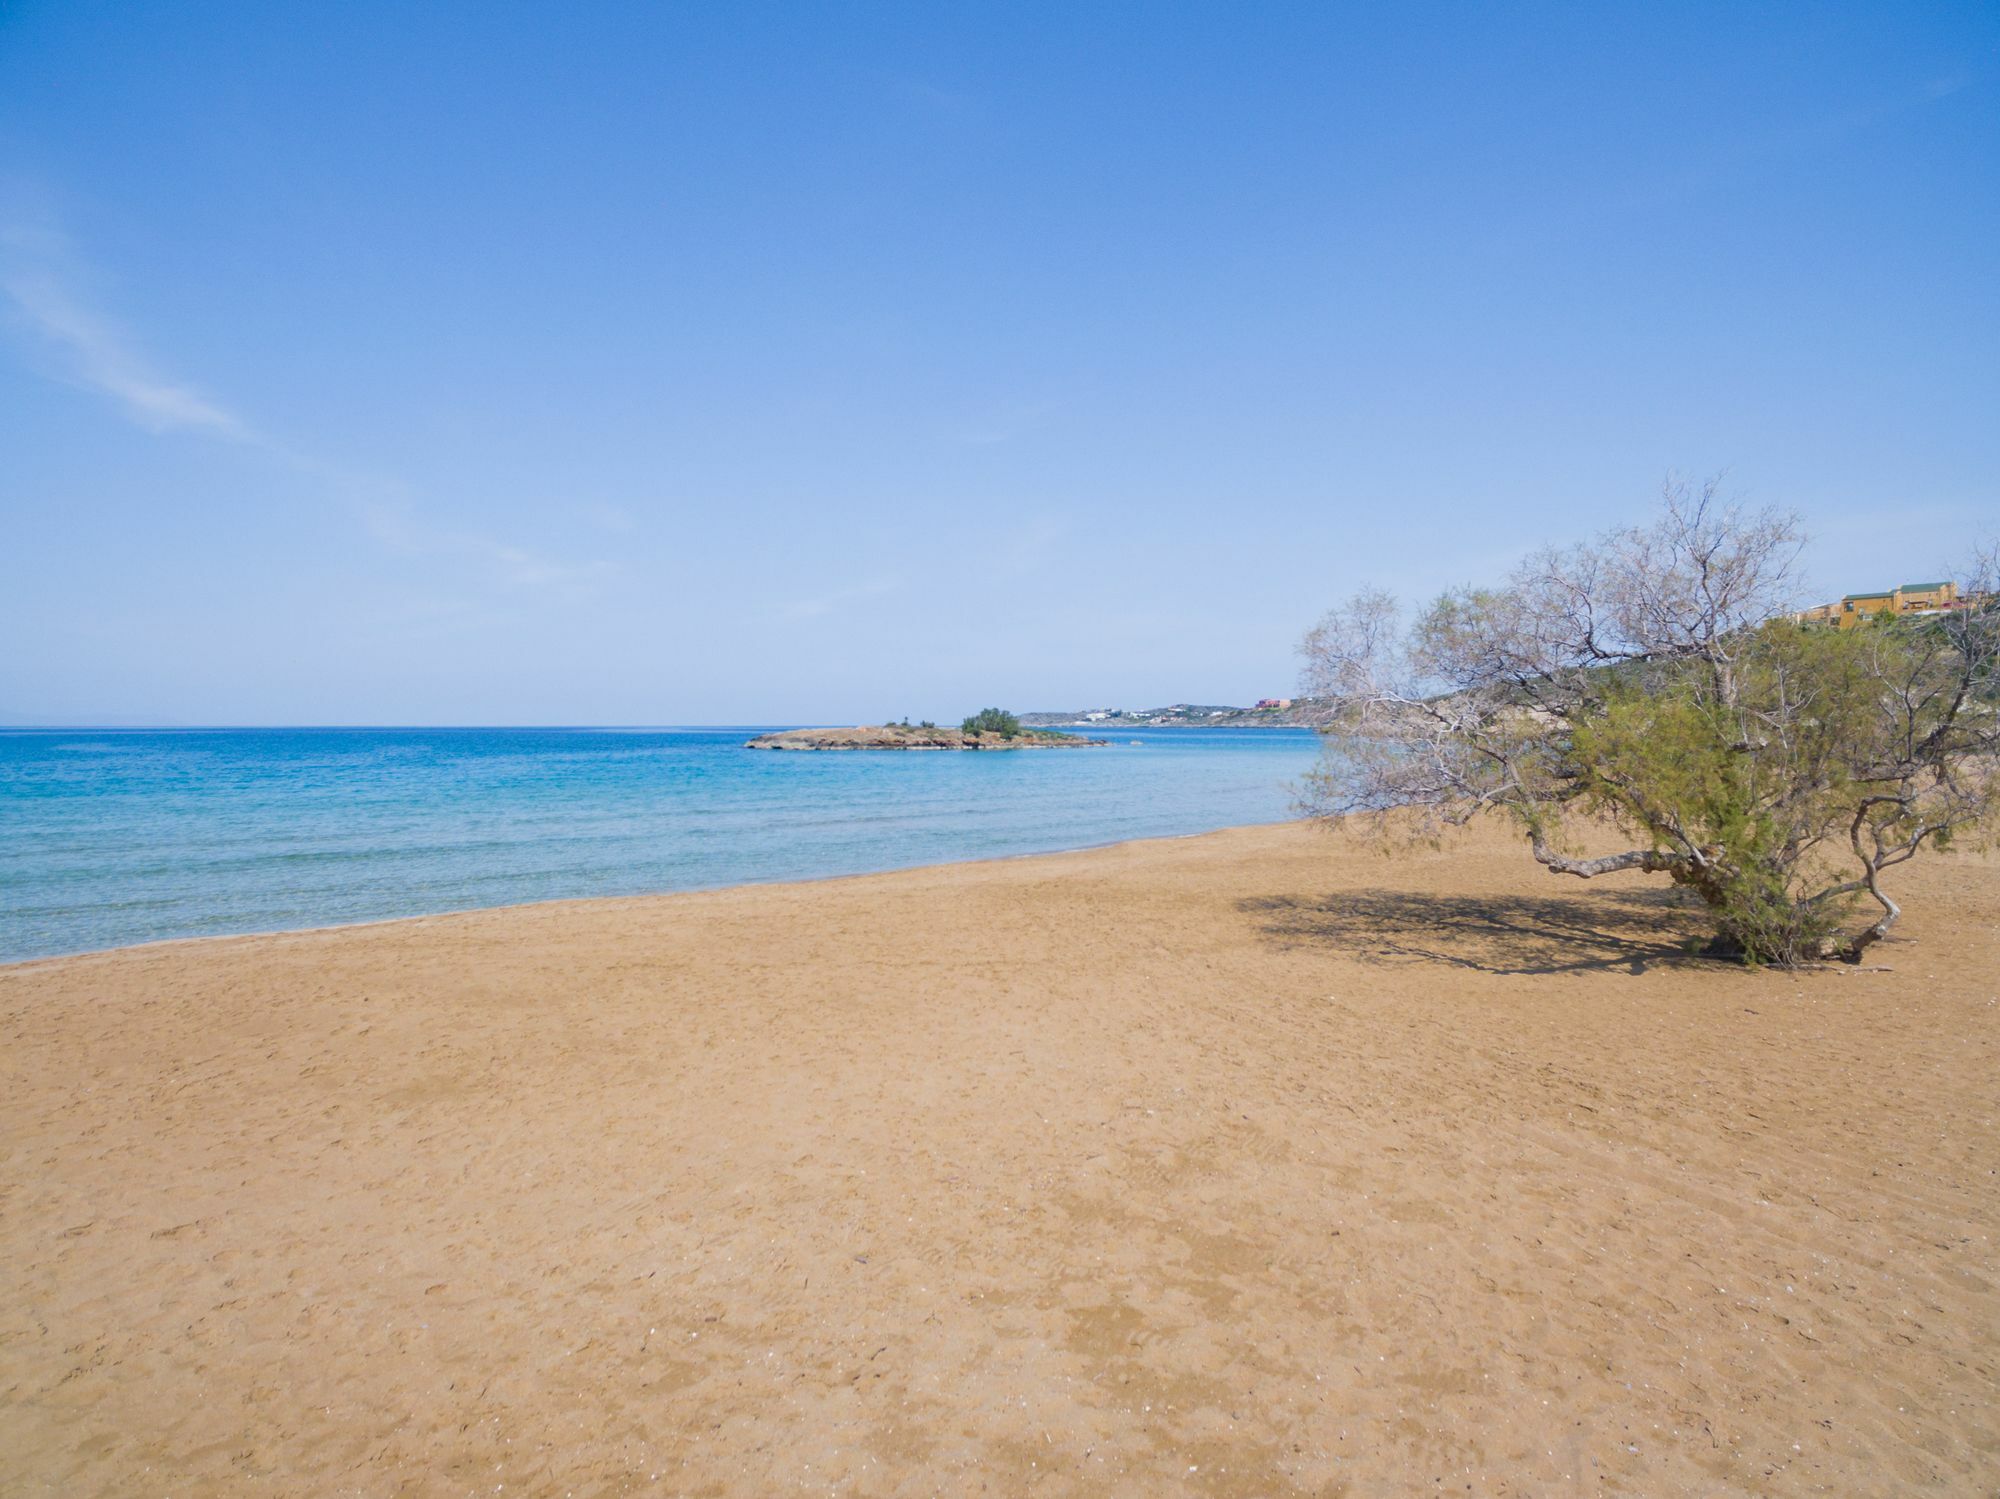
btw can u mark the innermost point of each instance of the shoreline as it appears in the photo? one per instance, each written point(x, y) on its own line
point(1245, 1162)
point(327, 928)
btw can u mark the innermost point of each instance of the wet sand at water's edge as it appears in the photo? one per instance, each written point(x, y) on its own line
point(1256, 1163)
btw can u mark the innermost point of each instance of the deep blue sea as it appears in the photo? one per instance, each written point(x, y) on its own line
point(110, 837)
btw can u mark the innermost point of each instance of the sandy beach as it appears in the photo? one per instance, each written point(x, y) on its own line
point(1254, 1163)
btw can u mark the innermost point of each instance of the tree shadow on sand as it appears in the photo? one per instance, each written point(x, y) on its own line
point(1503, 934)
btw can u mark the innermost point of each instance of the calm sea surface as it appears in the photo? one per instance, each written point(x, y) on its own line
point(109, 837)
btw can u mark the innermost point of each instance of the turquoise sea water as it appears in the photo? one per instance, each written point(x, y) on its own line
point(109, 837)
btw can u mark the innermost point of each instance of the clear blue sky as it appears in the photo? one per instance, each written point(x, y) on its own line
point(749, 363)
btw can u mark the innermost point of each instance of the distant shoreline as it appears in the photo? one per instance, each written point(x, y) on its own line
point(419, 918)
point(1271, 713)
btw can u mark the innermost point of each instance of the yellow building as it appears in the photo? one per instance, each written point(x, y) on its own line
point(1906, 598)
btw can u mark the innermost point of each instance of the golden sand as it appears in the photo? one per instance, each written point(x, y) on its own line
point(1246, 1164)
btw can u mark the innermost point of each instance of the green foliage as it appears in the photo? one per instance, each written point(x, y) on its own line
point(993, 721)
point(1758, 774)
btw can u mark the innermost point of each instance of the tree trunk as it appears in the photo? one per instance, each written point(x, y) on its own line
point(1875, 933)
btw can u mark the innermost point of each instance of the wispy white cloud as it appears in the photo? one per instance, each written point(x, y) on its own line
point(839, 599)
point(929, 97)
point(609, 517)
point(1030, 546)
point(1755, 152)
point(40, 281)
point(517, 566)
point(92, 350)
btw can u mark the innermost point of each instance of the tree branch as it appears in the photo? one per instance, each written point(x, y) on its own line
point(1652, 860)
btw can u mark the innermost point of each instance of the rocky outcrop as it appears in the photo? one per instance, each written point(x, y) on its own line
point(898, 737)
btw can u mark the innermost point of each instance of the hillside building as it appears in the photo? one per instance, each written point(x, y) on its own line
point(1905, 598)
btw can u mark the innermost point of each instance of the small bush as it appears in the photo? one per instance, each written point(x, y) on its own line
point(993, 721)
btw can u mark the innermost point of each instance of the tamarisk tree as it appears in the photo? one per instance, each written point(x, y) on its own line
point(1650, 682)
